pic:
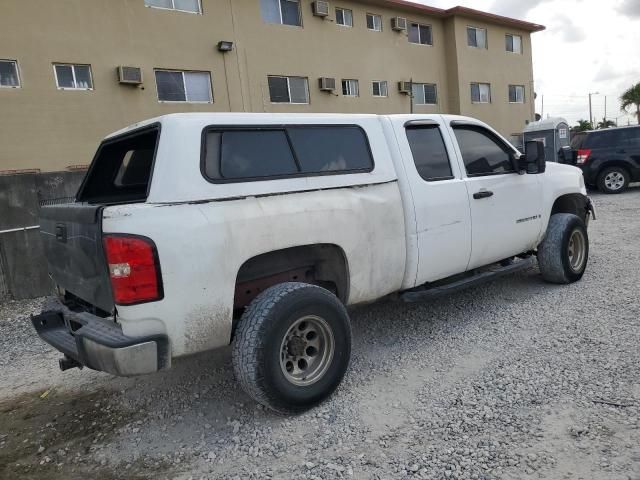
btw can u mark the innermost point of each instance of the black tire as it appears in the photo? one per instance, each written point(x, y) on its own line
point(556, 263)
point(605, 185)
point(260, 338)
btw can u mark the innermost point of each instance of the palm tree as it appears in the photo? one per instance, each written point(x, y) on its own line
point(583, 126)
point(631, 98)
point(606, 124)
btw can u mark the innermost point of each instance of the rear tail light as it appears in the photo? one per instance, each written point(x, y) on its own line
point(583, 156)
point(134, 269)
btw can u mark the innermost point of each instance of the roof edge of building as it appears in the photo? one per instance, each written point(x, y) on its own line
point(469, 12)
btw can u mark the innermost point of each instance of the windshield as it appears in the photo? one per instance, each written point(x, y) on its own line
point(578, 140)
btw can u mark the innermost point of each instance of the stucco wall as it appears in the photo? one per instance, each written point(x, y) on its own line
point(43, 127)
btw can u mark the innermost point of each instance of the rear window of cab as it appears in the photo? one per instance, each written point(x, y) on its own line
point(234, 154)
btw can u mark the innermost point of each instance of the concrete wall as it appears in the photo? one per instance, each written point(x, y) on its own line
point(50, 129)
point(23, 268)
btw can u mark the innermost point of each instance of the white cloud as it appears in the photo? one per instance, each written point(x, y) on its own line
point(630, 7)
point(589, 46)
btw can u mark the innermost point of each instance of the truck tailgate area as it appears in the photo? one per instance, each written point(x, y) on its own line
point(72, 238)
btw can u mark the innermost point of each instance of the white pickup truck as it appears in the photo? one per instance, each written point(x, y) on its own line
point(194, 231)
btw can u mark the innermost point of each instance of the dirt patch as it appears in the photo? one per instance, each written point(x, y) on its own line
point(54, 435)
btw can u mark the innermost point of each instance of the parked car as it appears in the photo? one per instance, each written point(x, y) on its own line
point(192, 231)
point(610, 158)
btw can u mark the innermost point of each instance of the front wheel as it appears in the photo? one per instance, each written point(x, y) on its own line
point(564, 252)
point(292, 347)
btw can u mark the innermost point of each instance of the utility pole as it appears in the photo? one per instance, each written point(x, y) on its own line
point(542, 113)
point(590, 108)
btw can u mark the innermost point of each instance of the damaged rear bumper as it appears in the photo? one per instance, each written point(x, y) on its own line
point(99, 343)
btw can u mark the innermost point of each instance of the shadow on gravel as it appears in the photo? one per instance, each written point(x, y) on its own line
point(49, 435)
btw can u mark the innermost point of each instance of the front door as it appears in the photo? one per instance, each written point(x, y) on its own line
point(506, 207)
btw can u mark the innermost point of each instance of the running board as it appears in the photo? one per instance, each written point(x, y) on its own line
point(428, 293)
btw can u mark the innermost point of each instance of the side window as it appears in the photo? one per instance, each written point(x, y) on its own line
point(330, 149)
point(285, 151)
point(429, 153)
point(249, 154)
point(482, 152)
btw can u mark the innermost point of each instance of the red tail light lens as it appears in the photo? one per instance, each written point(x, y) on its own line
point(583, 156)
point(133, 268)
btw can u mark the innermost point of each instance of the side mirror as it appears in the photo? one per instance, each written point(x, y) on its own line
point(534, 157)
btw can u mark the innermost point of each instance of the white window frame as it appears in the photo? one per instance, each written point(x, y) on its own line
point(486, 39)
point(184, 82)
point(380, 83)
point(174, 9)
point(343, 10)
point(419, 34)
point(375, 17)
point(282, 19)
point(517, 87)
point(15, 64)
point(289, 77)
point(73, 72)
point(423, 85)
point(480, 84)
point(514, 51)
point(349, 82)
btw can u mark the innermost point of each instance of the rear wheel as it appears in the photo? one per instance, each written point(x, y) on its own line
point(564, 252)
point(292, 347)
point(613, 180)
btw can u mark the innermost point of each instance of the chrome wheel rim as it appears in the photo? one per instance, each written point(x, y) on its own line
point(307, 350)
point(614, 181)
point(577, 250)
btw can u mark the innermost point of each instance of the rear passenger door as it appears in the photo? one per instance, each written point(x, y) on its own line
point(443, 224)
point(506, 207)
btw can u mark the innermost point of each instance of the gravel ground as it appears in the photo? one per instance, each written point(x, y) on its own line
point(516, 379)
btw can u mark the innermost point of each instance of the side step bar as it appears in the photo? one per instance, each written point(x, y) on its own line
point(427, 293)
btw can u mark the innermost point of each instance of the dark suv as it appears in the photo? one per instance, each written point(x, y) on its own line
point(609, 159)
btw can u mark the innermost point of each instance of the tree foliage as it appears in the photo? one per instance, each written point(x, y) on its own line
point(631, 98)
point(583, 126)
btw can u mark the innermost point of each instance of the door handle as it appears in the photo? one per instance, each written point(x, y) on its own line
point(482, 194)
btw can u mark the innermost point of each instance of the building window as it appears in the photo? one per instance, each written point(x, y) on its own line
point(192, 6)
point(516, 93)
point(288, 89)
point(9, 77)
point(350, 88)
point(424, 94)
point(73, 77)
point(380, 88)
point(284, 12)
point(477, 37)
point(514, 43)
point(183, 86)
point(344, 17)
point(480, 93)
point(420, 34)
point(374, 22)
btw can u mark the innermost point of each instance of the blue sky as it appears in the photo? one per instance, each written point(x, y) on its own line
point(589, 46)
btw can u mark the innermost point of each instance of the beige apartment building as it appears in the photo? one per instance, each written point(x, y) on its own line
point(61, 89)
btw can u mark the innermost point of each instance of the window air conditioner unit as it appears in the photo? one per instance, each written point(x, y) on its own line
point(321, 9)
point(327, 84)
point(130, 75)
point(399, 24)
point(404, 87)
